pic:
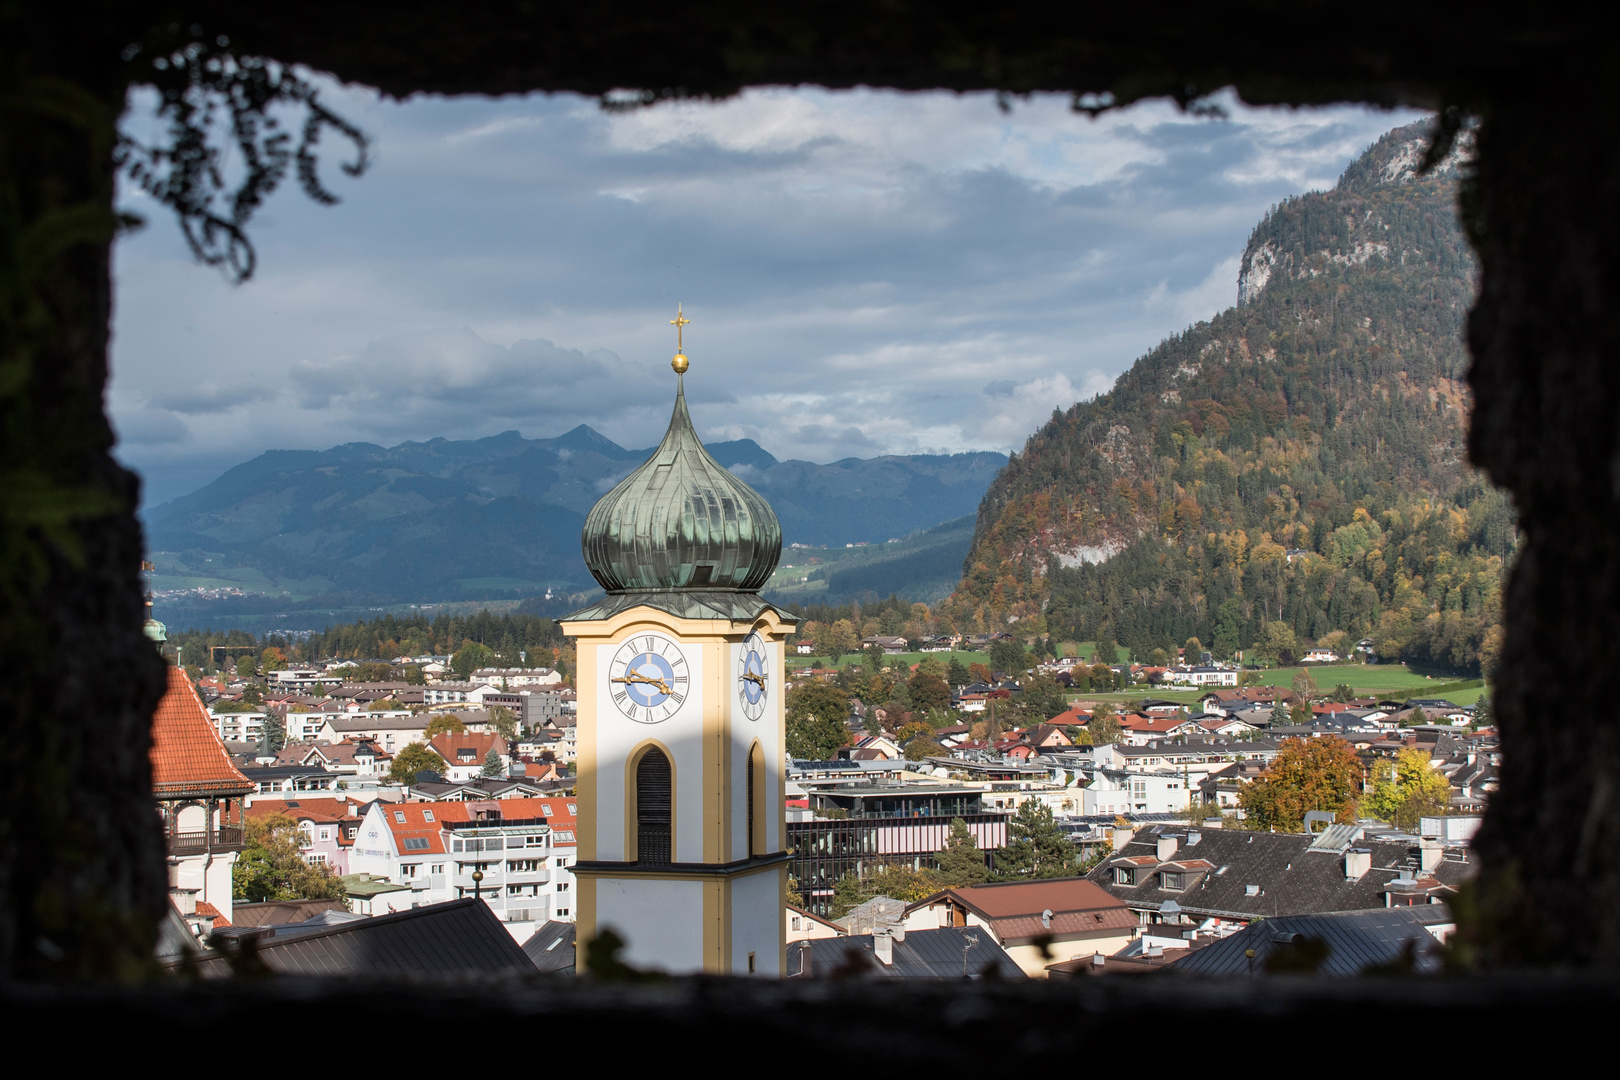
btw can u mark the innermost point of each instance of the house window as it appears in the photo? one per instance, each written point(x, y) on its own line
point(1172, 881)
point(416, 843)
point(408, 870)
point(795, 922)
point(1124, 875)
point(562, 886)
point(427, 815)
point(562, 913)
point(438, 868)
point(399, 816)
point(653, 808)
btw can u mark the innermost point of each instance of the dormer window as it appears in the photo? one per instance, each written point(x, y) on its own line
point(1124, 875)
point(1172, 879)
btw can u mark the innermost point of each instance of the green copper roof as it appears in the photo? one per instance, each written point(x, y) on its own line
point(681, 522)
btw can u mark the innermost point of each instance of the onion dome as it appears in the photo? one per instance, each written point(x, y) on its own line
point(681, 521)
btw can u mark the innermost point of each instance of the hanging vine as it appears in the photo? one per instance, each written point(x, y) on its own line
point(226, 148)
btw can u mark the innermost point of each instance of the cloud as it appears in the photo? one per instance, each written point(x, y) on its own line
point(213, 397)
point(868, 272)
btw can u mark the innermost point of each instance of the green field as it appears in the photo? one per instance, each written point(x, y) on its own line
point(967, 658)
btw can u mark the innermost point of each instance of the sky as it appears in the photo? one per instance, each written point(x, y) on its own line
point(866, 272)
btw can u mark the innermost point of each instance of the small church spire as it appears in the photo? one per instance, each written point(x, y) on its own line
point(679, 322)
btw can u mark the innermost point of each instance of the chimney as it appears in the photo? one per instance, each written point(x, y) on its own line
point(883, 948)
point(1430, 852)
point(1357, 861)
point(1121, 838)
point(1167, 848)
point(1099, 961)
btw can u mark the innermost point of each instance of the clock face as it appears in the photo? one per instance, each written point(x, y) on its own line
point(753, 676)
point(648, 678)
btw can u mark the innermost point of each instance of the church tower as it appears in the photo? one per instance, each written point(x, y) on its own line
point(682, 825)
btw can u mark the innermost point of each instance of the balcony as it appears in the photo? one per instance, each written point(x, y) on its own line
point(202, 841)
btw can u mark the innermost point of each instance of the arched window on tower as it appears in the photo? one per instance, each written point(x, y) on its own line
point(756, 801)
point(653, 804)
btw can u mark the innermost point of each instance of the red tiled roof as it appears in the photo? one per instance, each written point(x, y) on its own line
point(209, 911)
point(421, 821)
point(447, 744)
point(187, 755)
point(323, 810)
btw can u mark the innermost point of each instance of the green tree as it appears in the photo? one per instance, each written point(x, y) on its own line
point(1416, 718)
point(444, 723)
point(1277, 642)
point(960, 860)
point(273, 734)
point(1104, 727)
point(928, 691)
point(252, 695)
point(1300, 712)
point(1107, 652)
point(957, 674)
point(272, 866)
point(840, 639)
point(1191, 651)
point(1036, 846)
point(1307, 774)
point(1228, 629)
point(412, 759)
point(1009, 657)
point(246, 668)
point(1407, 788)
point(1041, 698)
point(470, 657)
point(816, 714)
point(503, 720)
point(412, 675)
point(1342, 693)
point(492, 765)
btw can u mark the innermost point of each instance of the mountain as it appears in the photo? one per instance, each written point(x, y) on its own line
point(1291, 471)
point(453, 520)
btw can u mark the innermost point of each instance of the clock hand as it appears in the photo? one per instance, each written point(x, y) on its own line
point(757, 679)
point(635, 677)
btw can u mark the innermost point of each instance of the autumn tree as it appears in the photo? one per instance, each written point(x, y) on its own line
point(1192, 650)
point(444, 723)
point(1304, 686)
point(504, 721)
point(1407, 788)
point(840, 639)
point(928, 691)
point(1104, 727)
point(961, 862)
point(272, 866)
point(1307, 774)
point(414, 758)
point(1036, 846)
point(816, 713)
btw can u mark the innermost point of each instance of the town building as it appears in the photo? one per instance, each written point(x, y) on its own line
point(199, 793)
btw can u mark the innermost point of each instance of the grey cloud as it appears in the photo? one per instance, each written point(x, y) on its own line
point(212, 397)
point(1000, 388)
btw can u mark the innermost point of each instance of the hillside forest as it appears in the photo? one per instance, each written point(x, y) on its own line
point(1289, 473)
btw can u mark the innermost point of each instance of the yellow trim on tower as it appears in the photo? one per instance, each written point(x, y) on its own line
point(585, 787)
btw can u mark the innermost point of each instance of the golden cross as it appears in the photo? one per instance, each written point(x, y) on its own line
point(679, 322)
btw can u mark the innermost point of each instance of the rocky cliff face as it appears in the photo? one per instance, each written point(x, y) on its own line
point(1282, 456)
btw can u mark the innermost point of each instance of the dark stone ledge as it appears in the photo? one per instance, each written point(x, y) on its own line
point(951, 1028)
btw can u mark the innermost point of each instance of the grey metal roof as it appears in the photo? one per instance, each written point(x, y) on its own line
point(1289, 877)
point(1356, 940)
point(924, 954)
point(460, 937)
point(551, 947)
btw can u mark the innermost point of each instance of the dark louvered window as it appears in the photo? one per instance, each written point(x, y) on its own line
point(653, 809)
point(753, 848)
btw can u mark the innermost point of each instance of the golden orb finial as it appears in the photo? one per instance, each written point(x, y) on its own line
point(680, 362)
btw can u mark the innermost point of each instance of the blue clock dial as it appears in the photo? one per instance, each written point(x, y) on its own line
point(753, 676)
point(648, 678)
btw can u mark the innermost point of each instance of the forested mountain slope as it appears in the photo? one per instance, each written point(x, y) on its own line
point(1298, 460)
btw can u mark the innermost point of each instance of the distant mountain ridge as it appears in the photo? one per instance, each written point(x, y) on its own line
point(450, 519)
